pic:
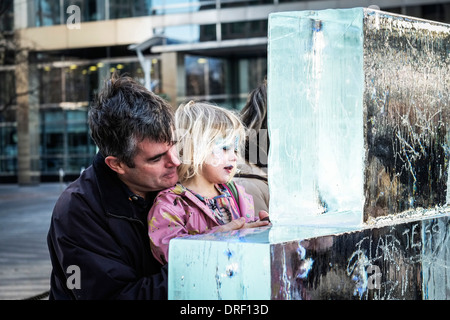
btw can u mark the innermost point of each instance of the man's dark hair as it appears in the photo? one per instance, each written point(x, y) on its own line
point(125, 113)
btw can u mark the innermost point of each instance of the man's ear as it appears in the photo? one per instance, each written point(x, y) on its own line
point(115, 164)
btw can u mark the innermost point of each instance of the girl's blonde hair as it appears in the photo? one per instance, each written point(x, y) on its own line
point(199, 127)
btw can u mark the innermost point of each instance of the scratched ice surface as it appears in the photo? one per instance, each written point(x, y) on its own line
point(407, 260)
point(358, 115)
point(407, 108)
point(402, 261)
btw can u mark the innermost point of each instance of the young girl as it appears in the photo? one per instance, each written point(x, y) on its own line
point(210, 139)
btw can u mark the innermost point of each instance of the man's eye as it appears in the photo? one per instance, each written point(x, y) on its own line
point(155, 159)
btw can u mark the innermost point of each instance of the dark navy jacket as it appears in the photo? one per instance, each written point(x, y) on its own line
point(98, 241)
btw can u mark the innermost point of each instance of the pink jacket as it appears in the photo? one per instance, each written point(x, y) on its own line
point(177, 212)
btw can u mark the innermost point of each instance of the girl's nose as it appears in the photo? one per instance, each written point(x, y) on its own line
point(232, 156)
point(173, 157)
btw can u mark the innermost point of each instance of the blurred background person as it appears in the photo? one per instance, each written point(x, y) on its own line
point(252, 172)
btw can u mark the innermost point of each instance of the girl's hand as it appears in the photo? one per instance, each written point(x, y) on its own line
point(233, 225)
point(263, 221)
point(241, 224)
point(264, 216)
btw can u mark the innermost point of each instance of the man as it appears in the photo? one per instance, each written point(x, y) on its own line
point(98, 240)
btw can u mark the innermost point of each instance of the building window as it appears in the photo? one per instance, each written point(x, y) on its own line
point(226, 82)
point(244, 3)
point(8, 149)
point(188, 33)
point(90, 10)
point(205, 76)
point(6, 15)
point(244, 29)
point(252, 73)
point(65, 141)
point(8, 131)
point(162, 7)
point(50, 85)
point(44, 13)
point(7, 91)
point(78, 83)
point(435, 12)
point(126, 8)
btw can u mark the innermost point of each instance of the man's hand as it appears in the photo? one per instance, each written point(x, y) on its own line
point(241, 224)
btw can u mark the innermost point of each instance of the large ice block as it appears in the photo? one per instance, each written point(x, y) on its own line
point(358, 106)
point(406, 259)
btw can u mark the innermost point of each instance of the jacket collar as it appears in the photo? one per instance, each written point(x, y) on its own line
point(116, 197)
point(181, 190)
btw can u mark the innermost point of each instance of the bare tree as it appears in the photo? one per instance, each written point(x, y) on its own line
point(16, 94)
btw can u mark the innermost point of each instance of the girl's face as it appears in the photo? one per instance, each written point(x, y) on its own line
point(220, 166)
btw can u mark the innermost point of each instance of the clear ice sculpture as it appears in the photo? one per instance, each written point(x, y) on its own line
point(358, 105)
point(358, 115)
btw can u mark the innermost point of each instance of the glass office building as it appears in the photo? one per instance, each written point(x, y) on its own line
point(55, 55)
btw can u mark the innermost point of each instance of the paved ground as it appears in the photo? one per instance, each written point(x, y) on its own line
point(25, 213)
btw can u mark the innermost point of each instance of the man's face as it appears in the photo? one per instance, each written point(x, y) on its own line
point(155, 168)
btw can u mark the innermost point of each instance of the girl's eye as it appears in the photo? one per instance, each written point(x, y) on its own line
point(228, 148)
